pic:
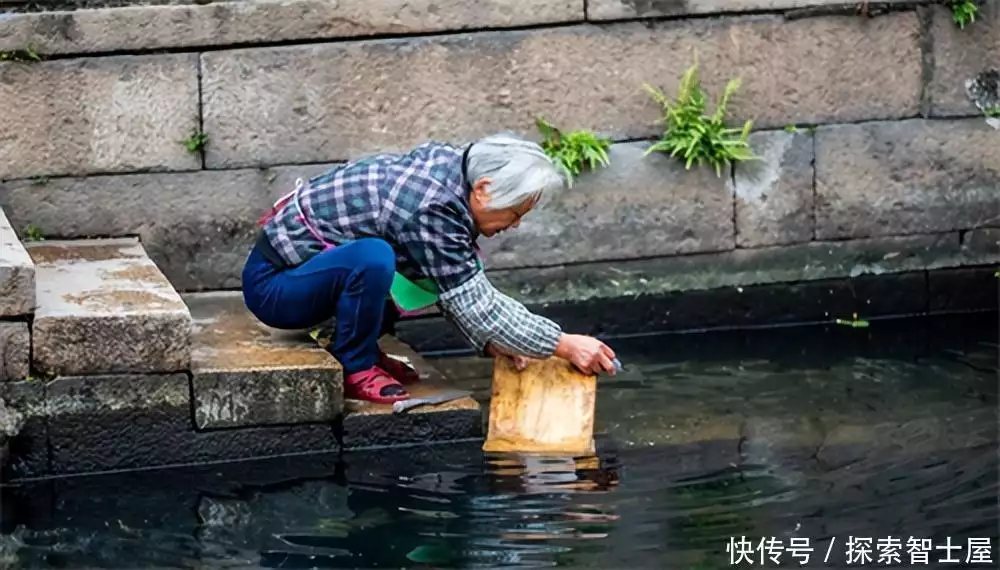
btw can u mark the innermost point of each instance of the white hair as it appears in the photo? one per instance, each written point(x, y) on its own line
point(519, 170)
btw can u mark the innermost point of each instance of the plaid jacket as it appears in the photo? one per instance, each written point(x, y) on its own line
point(417, 202)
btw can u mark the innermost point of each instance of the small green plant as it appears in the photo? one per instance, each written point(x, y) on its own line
point(27, 55)
point(692, 135)
point(575, 150)
point(964, 12)
point(196, 142)
point(791, 129)
point(33, 233)
point(993, 112)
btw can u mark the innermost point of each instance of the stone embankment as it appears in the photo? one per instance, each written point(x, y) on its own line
point(142, 141)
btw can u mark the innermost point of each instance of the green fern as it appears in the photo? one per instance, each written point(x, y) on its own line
point(574, 151)
point(964, 12)
point(693, 136)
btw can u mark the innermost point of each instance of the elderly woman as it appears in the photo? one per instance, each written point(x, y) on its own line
point(396, 232)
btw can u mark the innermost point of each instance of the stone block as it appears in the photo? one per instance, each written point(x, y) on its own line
point(247, 374)
point(621, 9)
point(907, 177)
point(375, 425)
point(29, 450)
point(100, 423)
point(293, 104)
point(981, 246)
point(229, 23)
point(958, 56)
point(17, 273)
point(639, 206)
point(109, 114)
point(196, 226)
point(774, 195)
point(103, 308)
point(15, 351)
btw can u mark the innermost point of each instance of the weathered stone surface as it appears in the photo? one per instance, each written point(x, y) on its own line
point(104, 307)
point(293, 104)
point(639, 206)
point(616, 9)
point(228, 23)
point(916, 176)
point(959, 55)
point(17, 273)
point(774, 195)
point(367, 424)
point(739, 268)
point(196, 226)
point(101, 423)
point(246, 374)
point(29, 450)
point(15, 351)
point(113, 114)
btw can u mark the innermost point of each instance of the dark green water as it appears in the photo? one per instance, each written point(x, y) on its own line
point(799, 437)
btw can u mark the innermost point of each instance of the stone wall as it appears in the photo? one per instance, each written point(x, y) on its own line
point(889, 155)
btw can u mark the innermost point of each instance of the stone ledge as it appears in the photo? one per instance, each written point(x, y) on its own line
point(247, 374)
point(259, 117)
point(373, 425)
point(104, 308)
point(99, 423)
point(28, 451)
point(231, 23)
point(17, 273)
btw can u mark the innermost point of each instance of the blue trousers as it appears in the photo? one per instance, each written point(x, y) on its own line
point(349, 282)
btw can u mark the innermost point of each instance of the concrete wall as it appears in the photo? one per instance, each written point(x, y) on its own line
point(889, 146)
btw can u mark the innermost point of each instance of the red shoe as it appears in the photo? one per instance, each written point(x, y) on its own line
point(398, 369)
point(368, 385)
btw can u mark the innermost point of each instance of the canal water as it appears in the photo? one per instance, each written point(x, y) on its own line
point(819, 447)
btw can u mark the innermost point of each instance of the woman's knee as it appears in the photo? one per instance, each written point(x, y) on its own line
point(375, 258)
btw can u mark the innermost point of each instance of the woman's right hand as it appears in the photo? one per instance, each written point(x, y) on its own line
point(588, 354)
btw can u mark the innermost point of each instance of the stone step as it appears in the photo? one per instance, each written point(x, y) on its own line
point(103, 307)
point(247, 374)
point(17, 274)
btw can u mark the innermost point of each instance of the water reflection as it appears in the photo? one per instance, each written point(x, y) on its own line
point(792, 438)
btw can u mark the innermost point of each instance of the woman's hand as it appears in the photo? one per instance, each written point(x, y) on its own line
point(588, 354)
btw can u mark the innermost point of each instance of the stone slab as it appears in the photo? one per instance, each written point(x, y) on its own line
point(29, 450)
point(774, 195)
point(958, 56)
point(292, 104)
point(100, 423)
point(104, 307)
point(15, 351)
point(245, 373)
point(196, 226)
point(17, 273)
point(620, 9)
point(366, 424)
point(231, 23)
point(906, 177)
point(639, 206)
point(111, 114)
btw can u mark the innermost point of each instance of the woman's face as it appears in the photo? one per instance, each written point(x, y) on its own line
point(492, 222)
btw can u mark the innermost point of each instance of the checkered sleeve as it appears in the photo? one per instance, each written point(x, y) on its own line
point(440, 244)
